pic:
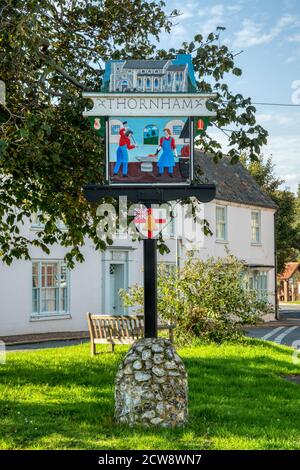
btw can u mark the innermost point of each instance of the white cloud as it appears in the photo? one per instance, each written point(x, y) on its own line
point(285, 152)
point(210, 19)
point(294, 38)
point(280, 118)
point(206, 20)
point(254, 33)
point(187, 10)
point(217, 15)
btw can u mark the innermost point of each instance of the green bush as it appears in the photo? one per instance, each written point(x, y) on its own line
point(207, 299)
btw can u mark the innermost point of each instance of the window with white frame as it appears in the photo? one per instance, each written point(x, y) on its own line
point(258, 282)
point(38, 220)
point(50, 287)
point(221, 223)
point(255, 226)
point(170, 229)
point(168, 267)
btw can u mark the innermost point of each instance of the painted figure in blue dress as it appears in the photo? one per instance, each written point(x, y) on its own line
point(167, 158)
point(122, 150)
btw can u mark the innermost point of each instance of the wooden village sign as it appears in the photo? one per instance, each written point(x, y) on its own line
point(149, 113)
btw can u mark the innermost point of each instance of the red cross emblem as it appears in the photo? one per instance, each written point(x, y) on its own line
point(149, 221)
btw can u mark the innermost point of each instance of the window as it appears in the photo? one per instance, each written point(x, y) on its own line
point(115, 129)
point(148, 83)
point(168, 268)
point(156, 83)
point(177, 130)
point(38, 220)
point(61, 225)
point(169, 78)
point(221, 223)
point(258, 282)
point(150, 134)
point(50, 287)
point(170, 229)
point(255, 226)
point(140, 82)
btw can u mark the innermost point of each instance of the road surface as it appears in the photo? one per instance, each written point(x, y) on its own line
point(284, 331)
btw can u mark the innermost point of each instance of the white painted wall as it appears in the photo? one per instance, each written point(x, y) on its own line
point(89, 286)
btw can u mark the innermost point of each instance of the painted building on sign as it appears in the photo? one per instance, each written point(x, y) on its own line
point(146, 76)
point(149, 112)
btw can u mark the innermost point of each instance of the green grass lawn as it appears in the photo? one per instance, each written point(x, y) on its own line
point(63, 399)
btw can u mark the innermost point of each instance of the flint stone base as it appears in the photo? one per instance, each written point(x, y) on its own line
point(151, 385)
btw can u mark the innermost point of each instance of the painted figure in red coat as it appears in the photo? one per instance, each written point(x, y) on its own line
point(122, 150)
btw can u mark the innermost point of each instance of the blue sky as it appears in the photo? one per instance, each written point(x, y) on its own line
point(268, 32)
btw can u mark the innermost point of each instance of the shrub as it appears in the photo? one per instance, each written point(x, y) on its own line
point(207, 299)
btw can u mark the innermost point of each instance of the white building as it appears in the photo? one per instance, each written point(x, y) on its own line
point(42, 295)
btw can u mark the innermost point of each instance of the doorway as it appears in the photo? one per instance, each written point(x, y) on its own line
point(117, 282)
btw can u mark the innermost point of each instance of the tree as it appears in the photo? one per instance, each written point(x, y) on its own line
point(264, 173)
point(49, 52)
point(287, 215)
point(287, 228)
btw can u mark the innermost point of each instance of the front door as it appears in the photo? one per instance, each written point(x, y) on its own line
point(117, 282)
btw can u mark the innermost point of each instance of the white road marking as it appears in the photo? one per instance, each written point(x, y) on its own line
point(273, 332)
point(280, 337)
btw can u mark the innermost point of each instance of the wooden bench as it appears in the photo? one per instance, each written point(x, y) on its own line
point(125, 329)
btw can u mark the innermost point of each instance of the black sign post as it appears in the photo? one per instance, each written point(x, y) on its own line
point(150, 287)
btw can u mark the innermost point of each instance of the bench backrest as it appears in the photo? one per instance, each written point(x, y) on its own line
point(108, 326)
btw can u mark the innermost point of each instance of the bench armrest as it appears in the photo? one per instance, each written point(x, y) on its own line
point(166, 326)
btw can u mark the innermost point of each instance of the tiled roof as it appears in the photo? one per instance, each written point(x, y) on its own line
point(288, 271)
point(234, 183)
point(145, 64)
point(176, 68)
point(150, 74)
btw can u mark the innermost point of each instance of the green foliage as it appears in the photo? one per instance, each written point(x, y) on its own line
point(206, 299)
point(263, 171)
point(49, 52)
point(287, 217)
point(287, 228)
